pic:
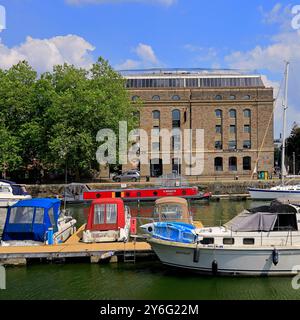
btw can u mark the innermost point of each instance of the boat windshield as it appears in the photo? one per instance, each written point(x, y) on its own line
point(169, 212)
point(21, 215)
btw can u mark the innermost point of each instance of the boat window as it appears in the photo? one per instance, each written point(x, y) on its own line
point(39, 216)
point(21, 215)
point(228, 240)
point(207, 241)
point(4, 189)
point(170, 212)
point(248, 241)
point(99, 211)
point(51, 216)
point(111, 213)
point(285, 222)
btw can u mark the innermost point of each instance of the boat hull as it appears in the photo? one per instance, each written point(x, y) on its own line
point(228, 261)
point(262, 194)
point(147, 194)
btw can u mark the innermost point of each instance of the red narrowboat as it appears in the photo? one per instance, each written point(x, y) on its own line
point(108, 220)
point(147, 194)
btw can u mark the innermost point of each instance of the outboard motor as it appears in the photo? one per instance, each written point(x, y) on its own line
point(275, 257)
point(214, 267)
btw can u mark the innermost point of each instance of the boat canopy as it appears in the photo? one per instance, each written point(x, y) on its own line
point(17, 189)
point(276, 217)
point(31, 219)
point(173, 209)
point(106, 214)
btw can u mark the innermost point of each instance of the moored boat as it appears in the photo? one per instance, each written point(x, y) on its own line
point(282, 191)
point(35, 222)
point(147, 194)
point(260, 241)
point(108, 221)
point(10, 192)
point(171, 210)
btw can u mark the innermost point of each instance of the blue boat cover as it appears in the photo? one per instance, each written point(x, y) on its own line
point(174, 231)
point(30, 219)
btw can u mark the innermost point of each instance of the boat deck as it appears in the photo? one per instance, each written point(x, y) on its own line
point(73, 248)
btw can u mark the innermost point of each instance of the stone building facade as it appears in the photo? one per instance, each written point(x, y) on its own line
point(235, 111)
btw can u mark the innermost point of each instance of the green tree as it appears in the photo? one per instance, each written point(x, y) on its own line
point(293, 146)
point(9, 151)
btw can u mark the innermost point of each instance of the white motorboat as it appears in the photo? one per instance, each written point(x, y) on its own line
point(283, 190)
point(260, 241)
point(10, 192)
point(171, 209)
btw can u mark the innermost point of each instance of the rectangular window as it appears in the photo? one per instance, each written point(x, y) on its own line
point(22, 215)
point(191, 82)
point(247, 144)
point(232, 145)
point(218, 129)
point(232, 129)
point(247, 128)
point(155, 146)
point(218, 145)
point(207, 241)
point(248, 241)
point(111, 213)
point(99, 212)
point(39, 216)
point(155, 131)
point(228, 241)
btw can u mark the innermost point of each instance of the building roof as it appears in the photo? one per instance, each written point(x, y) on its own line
point(186, 78)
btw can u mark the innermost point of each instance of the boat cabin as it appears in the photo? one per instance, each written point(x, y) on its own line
point(276, 217)
point(31, 219)
point(108, 220)
point(173, 209)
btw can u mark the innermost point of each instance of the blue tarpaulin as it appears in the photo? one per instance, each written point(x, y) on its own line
point(31, 219)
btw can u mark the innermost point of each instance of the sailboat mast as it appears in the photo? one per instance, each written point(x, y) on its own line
point(285, 107)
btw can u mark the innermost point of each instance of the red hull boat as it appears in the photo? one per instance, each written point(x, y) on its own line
point(147, 194)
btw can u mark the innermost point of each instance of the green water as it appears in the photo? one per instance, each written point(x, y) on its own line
point(143, 280)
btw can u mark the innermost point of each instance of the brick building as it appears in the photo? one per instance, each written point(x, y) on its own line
point(233, 108)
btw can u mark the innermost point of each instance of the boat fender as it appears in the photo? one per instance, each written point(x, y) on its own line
point(196, 254)
point(275, 257)
point(214, 267)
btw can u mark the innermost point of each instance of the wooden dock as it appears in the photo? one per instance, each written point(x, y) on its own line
point(73, 248)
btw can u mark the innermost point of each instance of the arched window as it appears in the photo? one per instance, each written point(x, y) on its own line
point(232, 164)
point(175, 97)
point(218, 164)
point(176, 118)
point(232, 97)
point(135, 98)
point(232, 113)
point(156, 114)
point(156, 98)
point(218, 113)
point(247, 97)
point(247, 113)
point(247, 163)
point(218, 97)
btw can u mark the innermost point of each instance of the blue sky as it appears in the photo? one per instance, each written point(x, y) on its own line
point(150, 33)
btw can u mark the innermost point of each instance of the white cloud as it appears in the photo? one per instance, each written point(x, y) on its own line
point(146, 58)
point(43, 54)
point(166, 3)
point(146, 53)
point(283, 46)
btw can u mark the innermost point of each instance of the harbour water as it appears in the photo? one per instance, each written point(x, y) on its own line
point(145, 279)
